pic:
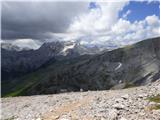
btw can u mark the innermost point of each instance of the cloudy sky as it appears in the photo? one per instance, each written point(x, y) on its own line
point(92, 23)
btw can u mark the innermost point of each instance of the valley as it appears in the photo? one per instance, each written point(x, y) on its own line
point(132, 65)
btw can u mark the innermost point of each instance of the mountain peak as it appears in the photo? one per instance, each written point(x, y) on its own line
point(11, 47)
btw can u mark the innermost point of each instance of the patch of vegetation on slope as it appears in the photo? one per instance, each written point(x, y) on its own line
point(155, 99)
point(19, 86)
point(129, 85)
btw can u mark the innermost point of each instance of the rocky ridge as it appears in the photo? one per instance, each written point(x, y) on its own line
point(133, 65)
point(125, 104)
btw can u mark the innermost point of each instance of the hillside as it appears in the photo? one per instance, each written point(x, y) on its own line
point(138, 103)
point(133, 65)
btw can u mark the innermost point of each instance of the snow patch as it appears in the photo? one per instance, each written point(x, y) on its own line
point(120, 64)
point(64, 51)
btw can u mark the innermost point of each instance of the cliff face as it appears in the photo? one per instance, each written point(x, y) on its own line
point(132, 65)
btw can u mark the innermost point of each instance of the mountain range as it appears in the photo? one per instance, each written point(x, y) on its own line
point(67, 66)
point(17, 61)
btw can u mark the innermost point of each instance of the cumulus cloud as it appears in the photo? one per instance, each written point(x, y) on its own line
point(129, 33)
point(98, 19)
point(27, 43)
point(152, 20)
point(96, 24)
point(124, 32)
point(24, 43)
point(101, 26)
point(121, 27)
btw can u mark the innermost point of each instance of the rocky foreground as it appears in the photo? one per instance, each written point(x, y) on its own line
point(126, 104)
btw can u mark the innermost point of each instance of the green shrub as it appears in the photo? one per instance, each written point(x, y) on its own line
point(129, 85)
point(155, 98)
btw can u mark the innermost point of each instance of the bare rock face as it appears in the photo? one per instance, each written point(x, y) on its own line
point(126, 104)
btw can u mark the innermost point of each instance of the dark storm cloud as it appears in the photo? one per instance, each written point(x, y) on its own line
point(36, 19)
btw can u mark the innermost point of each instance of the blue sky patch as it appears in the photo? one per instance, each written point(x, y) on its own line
point(140, 10)
point(93, 5)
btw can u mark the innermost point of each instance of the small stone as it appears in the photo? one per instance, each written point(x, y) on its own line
point(126, 96)
point(118, 100)
point(142, 113)
point(142, 95)
point(38, 119)
point(152, 103)
point(118, 106)
point(123, 118)
point(113, 113)
point(102, 118)
point(64, 119)
point(81, 90)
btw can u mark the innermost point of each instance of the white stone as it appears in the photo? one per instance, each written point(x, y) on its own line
point(112, 114)
point(126, 96)
point(118, 106)
point(38, 119)
point(123, 118)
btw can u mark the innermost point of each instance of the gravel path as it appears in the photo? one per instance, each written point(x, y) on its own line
point(126, 104)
